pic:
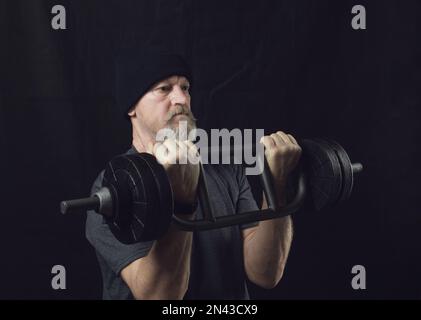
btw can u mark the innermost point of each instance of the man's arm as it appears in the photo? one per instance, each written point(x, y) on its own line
point(267, 246)
point(266, 249)
point(164, 273)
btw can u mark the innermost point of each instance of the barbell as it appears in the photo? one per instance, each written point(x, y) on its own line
point(136, 198)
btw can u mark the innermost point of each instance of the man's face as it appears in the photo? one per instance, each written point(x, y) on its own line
point(164, 106)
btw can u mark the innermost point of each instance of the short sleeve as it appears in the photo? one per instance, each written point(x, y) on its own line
point(246, 201)
point(116, 254)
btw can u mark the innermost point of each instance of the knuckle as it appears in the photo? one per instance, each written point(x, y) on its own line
point(170, 142)
point(276, 152)
point(283, 148)
point(265, 140)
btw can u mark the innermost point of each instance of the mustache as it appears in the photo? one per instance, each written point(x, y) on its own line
point(178, 111)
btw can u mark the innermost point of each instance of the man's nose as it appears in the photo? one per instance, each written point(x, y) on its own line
point(178, 96)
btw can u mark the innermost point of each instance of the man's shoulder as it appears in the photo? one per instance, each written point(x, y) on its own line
point(97, 184)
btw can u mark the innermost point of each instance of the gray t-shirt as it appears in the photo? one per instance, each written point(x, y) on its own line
point(217, 265)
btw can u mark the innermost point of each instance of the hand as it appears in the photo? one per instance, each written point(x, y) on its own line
point(282, 154)
point(181, 162)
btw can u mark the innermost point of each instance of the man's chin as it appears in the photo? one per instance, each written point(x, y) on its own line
point(180, 116)
point(178, 121)
point(178, 127)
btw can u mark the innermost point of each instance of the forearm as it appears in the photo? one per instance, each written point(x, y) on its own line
point(266, 249)
point(164, 272)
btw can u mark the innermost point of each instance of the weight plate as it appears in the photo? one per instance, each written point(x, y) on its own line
point(160, 219)
point(133, 201)
point(323, 173)
point(346, 165)
point(142, 217)
point(337, 170)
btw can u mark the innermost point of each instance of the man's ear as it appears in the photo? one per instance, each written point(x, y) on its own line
point(132, 112)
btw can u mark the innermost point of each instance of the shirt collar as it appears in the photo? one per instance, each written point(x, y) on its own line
point(132, 150)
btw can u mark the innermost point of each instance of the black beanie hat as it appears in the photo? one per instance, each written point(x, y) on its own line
point(138, 70)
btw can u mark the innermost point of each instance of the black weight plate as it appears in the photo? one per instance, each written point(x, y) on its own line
point(142, 181)
point(346, 165)
point(337, 169)
point(323, 179)
point(160, 219)
point(126, 180)
point(111, 181)
point(163, 183)
point(117, 178)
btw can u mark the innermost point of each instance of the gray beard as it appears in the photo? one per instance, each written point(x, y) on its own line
point(181, 130)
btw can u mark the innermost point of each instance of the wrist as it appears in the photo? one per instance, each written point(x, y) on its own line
point(281, 193)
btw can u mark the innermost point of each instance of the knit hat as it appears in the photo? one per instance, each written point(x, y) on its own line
point(138, 70)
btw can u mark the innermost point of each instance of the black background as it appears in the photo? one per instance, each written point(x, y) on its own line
point(299, 67)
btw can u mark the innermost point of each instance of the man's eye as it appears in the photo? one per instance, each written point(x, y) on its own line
point(164, 89)
point(185, 88)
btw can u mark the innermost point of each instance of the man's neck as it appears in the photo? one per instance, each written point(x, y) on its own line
point(141, 139)
point(141, 145)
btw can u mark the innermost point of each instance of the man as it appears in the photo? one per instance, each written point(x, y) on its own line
point(153, 90)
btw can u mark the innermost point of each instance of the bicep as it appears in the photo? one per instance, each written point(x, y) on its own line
point(140, 276)
point(130, 274)
point(248, 232)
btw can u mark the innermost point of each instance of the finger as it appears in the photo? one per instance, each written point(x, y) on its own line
point(284, 137)
point(161, 152)
point(182, 153)
point(292, 139)
point(172, 147)
point(298, 153)
point(194, 156)
point(295, 148)
point(279, 141)
point(268, 142)
point(191, 146)
point(182, 146)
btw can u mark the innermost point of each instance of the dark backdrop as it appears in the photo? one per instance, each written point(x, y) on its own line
point(295, 66)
